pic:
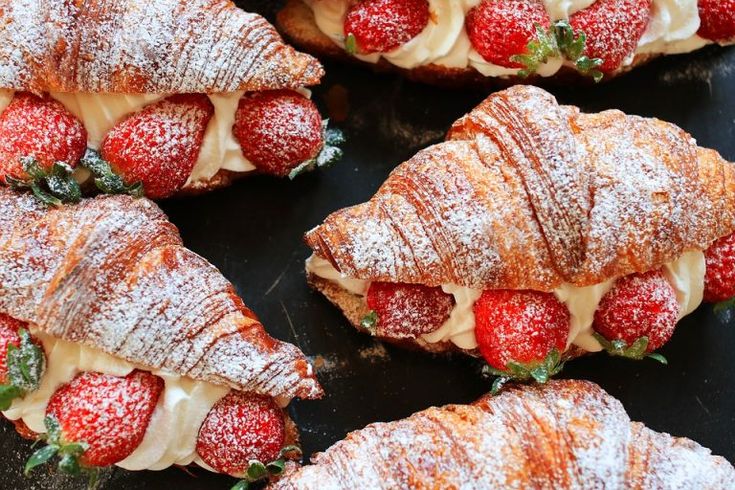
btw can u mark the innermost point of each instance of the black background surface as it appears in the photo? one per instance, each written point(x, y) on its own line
point(252, 233)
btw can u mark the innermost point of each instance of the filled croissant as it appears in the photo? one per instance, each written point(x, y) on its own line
point(479, 41)
point(123, 347)
point(563, 435)
point(154, 98)
point(534, 233)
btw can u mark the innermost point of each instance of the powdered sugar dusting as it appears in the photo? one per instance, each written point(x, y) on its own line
point(135, 47)
point(111, 273)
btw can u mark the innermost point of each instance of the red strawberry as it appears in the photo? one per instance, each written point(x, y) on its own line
point(638, 305)
point(613, 29)
point(42, 128)
point(109, 414)
point(278, 130)
point(520, 331)
point(22, 361)
point(159, 145)
point(717, 19)
point(240, 428)
point(408, 310)
point(500, 29)
point(379, 26)
point(9, 327)
point(719, 276)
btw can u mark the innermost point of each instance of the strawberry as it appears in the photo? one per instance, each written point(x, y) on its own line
point(717, 19)
point(239, 429)
point(278, 130)
point(39, 128)
point(719, 276)
point(159, 145)
point(638, 315)
point(379, 26)
point(97, 420)
point(406, 310)
point(613, 28)
point(501, 29)
point(22, 361)
point(521, 333)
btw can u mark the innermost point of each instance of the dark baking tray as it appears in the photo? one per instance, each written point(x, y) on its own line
point(252, 233)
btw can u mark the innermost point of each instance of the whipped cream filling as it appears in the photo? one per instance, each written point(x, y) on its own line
point(672, 29)
point(686, 276)
point(172, 432)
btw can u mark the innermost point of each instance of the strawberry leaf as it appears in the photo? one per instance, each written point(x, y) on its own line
point(105, 179)
point(42, 456)
point(538, 51)
point(256, 471)
point(573, 45)
point(26, 364)
point(370, 322)
point(637, 350)
point(53, 187)
point(241, 485)
point(351, 44)
point(276, 467)
point(658, 357)
point(327, 156)
point(724, 305)
point(498, 384)
point(8, 393)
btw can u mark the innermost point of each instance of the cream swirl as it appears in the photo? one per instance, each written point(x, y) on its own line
point(172, 432)
point(686, 276)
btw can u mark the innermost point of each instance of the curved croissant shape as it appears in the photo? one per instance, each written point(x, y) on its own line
point(167, 46)
point(111, 273)
point(528, 194)
point(567, 434)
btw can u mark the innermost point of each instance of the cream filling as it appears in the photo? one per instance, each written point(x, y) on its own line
point(686, 275)
point(444, 41)
point(100, 112)
point(172, 432)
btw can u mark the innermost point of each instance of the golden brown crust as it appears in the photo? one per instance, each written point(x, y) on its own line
point(527, 194)
point(132, 46)
point(112, 273)
point(565, 434)
point(296, 21)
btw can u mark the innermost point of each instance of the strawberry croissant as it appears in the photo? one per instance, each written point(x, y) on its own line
point(564, 435)
point(107, 94)
point(535, 233)
point(123, 347)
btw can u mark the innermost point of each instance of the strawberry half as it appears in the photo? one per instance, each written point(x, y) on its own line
point(521, 334)
point(406, 310)
point(240, 429)
point(717, 19)
point(39, 128)
point(379, 26)
point(278, 130)
point(637, 316)
point(159, 145)
point(22, 361)
point(719, 275)
point(613, 29)
point(501, 29)
point(97, 420)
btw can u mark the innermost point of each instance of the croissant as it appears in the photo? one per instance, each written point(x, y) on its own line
point(465, 43)
point(535, 226)
point(566, 434)
point(115, 73)
point(106, 288)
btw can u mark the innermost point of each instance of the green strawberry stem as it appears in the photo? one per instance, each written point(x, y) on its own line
point(26, 365)
point(68, 452)
point(258, 471)
point(351, 44)
point(52, 187)
point(556, 41)
point(724, 305)
point(105, 179)
point(539, 372)
point(636, 350)
point(328, 155)
point(370, 322)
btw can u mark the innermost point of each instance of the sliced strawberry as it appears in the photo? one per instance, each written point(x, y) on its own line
point(109, 414)
point(22, 361)
point(38, 127)
point(407, 310)
point(613, 29)
point(278, 130)
point(521, 331)
point(719, 276)
point(239, 429)
point(159, 145)
point(500, 29)
point(638, 305)
point(379, 26)
point(717, 19)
